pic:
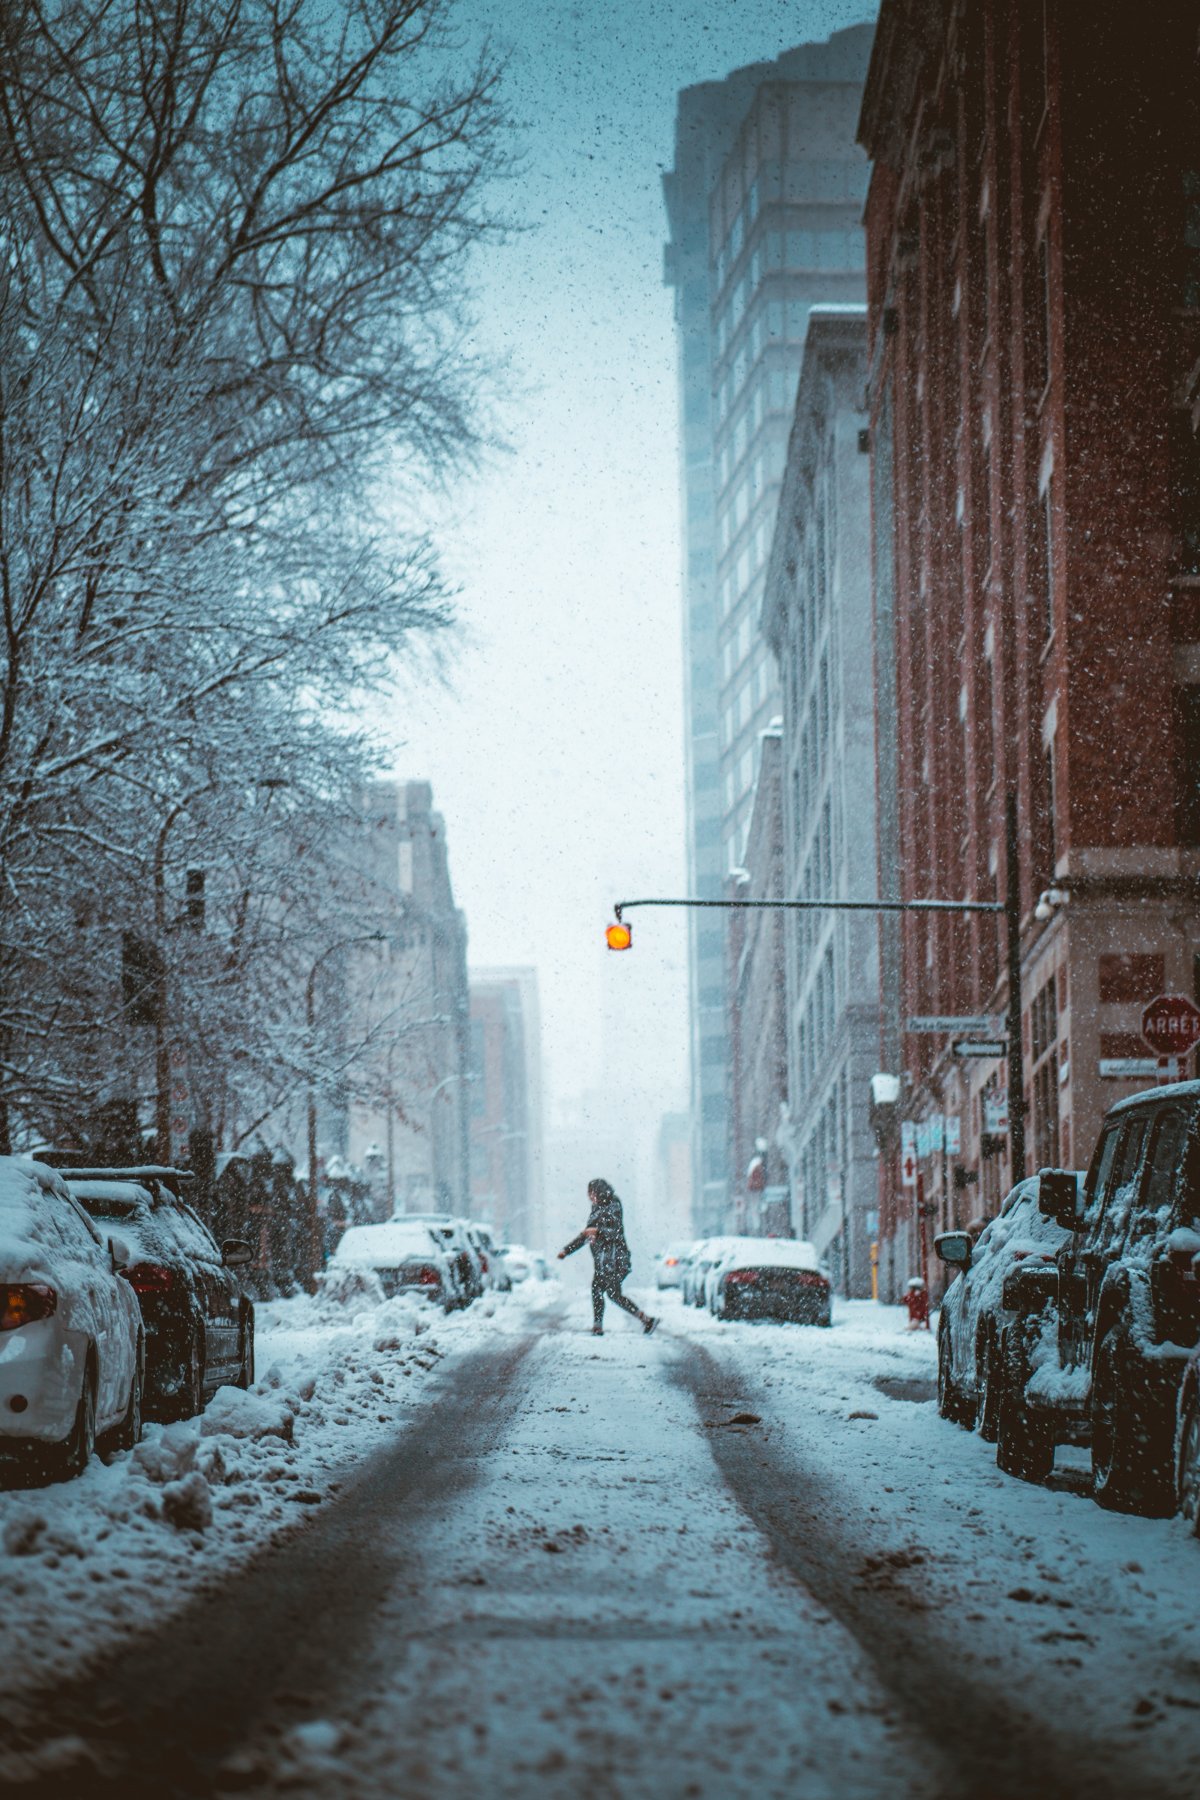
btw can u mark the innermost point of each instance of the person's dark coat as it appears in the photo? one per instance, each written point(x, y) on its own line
point(610, 1253)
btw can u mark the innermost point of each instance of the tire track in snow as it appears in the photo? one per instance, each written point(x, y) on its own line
point(994, 1748)
point(155, 1723)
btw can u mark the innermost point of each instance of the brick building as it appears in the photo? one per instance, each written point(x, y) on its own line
point(1032, 284)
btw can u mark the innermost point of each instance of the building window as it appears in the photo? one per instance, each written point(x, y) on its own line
point(1187, 758)
point(1044, 1024)
point(1048, 556)
point(1051, 808)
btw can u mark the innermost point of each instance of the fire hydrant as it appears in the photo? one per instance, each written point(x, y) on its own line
point(916, 1299)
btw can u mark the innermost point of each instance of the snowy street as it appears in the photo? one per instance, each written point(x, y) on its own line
point(562, 1565)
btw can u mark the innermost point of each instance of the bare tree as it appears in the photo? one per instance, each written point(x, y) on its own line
point(230, 299)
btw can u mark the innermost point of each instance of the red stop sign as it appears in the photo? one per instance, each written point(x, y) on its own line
point(1171, 1025)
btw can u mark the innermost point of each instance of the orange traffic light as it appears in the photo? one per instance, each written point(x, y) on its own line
point(619, 936)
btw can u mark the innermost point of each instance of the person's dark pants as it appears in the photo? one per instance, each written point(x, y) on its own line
point(609, 1286)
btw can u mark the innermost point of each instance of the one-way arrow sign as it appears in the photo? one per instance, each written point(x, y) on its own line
point(993, 1047)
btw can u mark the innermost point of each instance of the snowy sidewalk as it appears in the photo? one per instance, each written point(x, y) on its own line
point(86, 1563)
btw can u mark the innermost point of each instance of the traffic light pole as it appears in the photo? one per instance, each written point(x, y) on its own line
point(1009, 908)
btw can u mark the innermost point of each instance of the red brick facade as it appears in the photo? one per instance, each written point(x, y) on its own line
point(1032, 318)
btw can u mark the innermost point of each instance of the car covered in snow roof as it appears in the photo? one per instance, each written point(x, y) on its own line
point(199, 1323)
point(707, 1253)
point(71, 1336)
point(973, 1318)
point(771, 1278)
point(668, 1263)
point(407, 1256)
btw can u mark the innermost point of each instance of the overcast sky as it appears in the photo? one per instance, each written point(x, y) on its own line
point(556, 752)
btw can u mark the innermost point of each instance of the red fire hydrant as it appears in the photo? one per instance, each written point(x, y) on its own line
point(916, 1299)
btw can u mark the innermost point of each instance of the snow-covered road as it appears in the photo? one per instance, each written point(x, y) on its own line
point(568, 1568)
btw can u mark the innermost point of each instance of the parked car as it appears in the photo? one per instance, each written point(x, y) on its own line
point(772, 1278)
point(517, 1260)
point(708, 1252)
point(407, 1256)
point(495, 1271)
point(71, 1337)
point(199, 1324)
point(973, 1319)
point(668, 1265)
point(1106, 1340)
point(453, 1233)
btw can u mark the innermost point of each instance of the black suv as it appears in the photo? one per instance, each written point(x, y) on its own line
point(1106, 1337)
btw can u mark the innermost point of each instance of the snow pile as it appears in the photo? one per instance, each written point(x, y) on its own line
point(28, 1239)
point(97, 1558)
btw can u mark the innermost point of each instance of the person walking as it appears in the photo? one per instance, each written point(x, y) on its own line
point(611, 1261)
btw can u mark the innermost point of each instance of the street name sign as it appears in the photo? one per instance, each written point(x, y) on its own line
point(993, 1047)
point(1138, 1068)
point(1171, 1025)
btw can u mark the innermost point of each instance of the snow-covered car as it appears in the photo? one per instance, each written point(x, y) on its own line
point(495, 1272)
point(708, 1252)
point(668, 1265)
point(454, 1235)
point(973, 1318)
point(199, 1325)
point(772, 1278)
point(1105, 1354)
point(407, 1256)
point(517, 1260)
point(71, 1339)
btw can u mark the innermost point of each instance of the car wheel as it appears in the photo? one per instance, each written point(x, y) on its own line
point(76, 1453)
point(129, 1431)
point(1024, 1438)
point(988, 1364)
point(245, 1375)
point(949, 1399)
point(1132, 1438)
point(1189, 1464)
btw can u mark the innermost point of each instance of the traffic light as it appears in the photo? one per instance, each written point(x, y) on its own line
point(619, 936)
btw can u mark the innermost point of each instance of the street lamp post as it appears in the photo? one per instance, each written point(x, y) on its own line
point(314, 1221)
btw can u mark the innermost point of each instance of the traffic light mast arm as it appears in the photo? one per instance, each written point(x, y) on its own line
point(1008, 909)
point(873, 906)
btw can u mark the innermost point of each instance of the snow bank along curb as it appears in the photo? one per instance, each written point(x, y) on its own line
point(85, 1563)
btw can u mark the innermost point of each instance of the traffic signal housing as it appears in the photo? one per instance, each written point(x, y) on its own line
point(619, 936)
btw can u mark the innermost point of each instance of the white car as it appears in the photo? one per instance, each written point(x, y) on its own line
point(668, 1265)
point(406, 1256)
point(771, 1278)
point(71, 1341)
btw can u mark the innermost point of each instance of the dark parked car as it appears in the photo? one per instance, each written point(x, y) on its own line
point(771, 1278)
point(974, 1320)
point(1107, 1337)
point(199, 1324)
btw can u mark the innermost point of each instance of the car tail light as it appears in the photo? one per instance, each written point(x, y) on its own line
point(24, 1301)
point(742, 1275)
point(671, 1261)
point(809, 1278)
point(150, 1278)
point(483, 1262)
point(427, 1277)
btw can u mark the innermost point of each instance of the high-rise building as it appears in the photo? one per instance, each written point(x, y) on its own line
point(504, 1106)
point(818, 619)
point(764, 210)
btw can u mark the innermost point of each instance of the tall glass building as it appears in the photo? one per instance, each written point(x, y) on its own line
point(764, 209)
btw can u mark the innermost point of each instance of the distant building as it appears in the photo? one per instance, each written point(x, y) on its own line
point(406, 1122)
point(764, 208)
point(1034, 277)
point(505, 1104)
point(758, 1009)
point(673, 1178)
point(817, 618)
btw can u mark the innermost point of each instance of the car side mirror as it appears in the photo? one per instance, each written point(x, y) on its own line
point(236, 1253)
point(954, 1247)
point(1058, 1196)
point(119, 1253)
